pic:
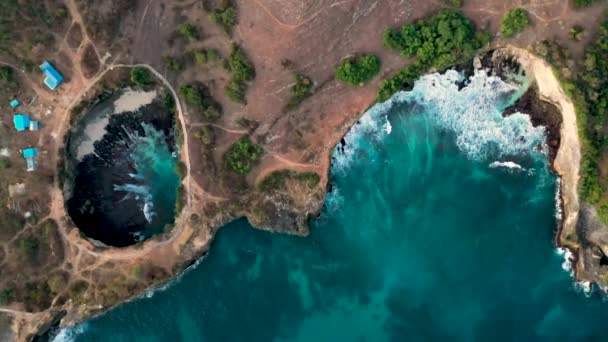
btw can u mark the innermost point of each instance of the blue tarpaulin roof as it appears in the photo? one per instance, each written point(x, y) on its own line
point(15, 103)
point(53, 77)
point(21, 121)
point(30, 152)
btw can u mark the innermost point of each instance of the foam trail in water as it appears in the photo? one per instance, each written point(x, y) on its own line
point(144, 191)
point(508, 165)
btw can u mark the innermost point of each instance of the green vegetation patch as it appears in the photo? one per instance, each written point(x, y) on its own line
point(276, 180)
point(29, 247)
point(242, 71)
point(140, 76)
point(173, 63)
point(443, 40)
point(7, 296)
point(205, 135)
point(27, 23)
point(198, 98)
point(188, 31)
point(226, 16)
point(514, 22)
point(357, 71)
point(576, 32)
point(242, 156)
point(9, 83)
point(301, 89)
point(592, 106)
point(454, 3)
point(583, 3)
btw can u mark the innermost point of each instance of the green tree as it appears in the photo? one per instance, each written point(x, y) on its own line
point(514, 22)
point(205, 135)
point(582, 3)
point(188, 31)
point(300, 90)
point(240, 65)
point(200, 57)
point(140, 76)
point(7, 296)
point(28, 247)
point(242, 156)
point(357, 71)
point(226, 17)
point(242, 71)
point(437, 42)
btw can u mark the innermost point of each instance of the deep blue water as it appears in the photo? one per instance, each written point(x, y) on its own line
point(440, 226)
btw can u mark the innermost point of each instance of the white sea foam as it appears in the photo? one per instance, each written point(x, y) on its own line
point(508, 165)
point(140, 192)
point(558, 200)
point(473, 113)
point(585, 287)
point(387, 127)
point(70, 334)
point(568, 258)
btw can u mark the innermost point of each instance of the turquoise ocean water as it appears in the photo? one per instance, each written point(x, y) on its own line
point(440, 225)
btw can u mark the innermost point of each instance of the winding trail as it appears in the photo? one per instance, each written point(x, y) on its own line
point(229, 130)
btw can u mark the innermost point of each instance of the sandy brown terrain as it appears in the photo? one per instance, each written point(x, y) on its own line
point(105, 37)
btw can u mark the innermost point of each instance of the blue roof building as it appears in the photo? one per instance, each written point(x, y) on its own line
point(15, 103)
point(34, 125)
point(30, 152)
point(53, 78)
point(21, 121)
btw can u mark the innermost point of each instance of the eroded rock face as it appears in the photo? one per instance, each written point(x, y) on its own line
point(123, 186)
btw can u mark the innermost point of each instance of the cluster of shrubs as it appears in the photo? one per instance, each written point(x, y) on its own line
point(438, 42)
point(276, 180)
point(8, 81)
point(583, 3)
point(242, 156)
point(358, 70)
point(225, 17)
point(140, 76)
point(198, 98)
point(300, 90)
point(207, 55)
point(242, 71)
point(514, 22)
point(205, 135)
point(592, 106)
point(188, 31)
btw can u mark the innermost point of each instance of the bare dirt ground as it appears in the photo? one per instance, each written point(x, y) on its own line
point(105, 36)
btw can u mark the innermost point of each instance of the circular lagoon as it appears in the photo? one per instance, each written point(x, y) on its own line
point(121, 157)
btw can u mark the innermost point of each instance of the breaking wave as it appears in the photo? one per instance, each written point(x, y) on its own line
point(473, 112)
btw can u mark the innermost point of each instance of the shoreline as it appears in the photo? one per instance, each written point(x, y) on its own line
point(568, 157)
point(549, 90)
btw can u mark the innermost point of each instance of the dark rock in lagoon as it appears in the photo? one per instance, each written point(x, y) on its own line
point(123, 189)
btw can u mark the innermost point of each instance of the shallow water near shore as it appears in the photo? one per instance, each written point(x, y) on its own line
point(440, 224)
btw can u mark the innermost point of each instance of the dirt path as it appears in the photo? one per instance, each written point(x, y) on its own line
point(229, 130)
point(281, 163)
